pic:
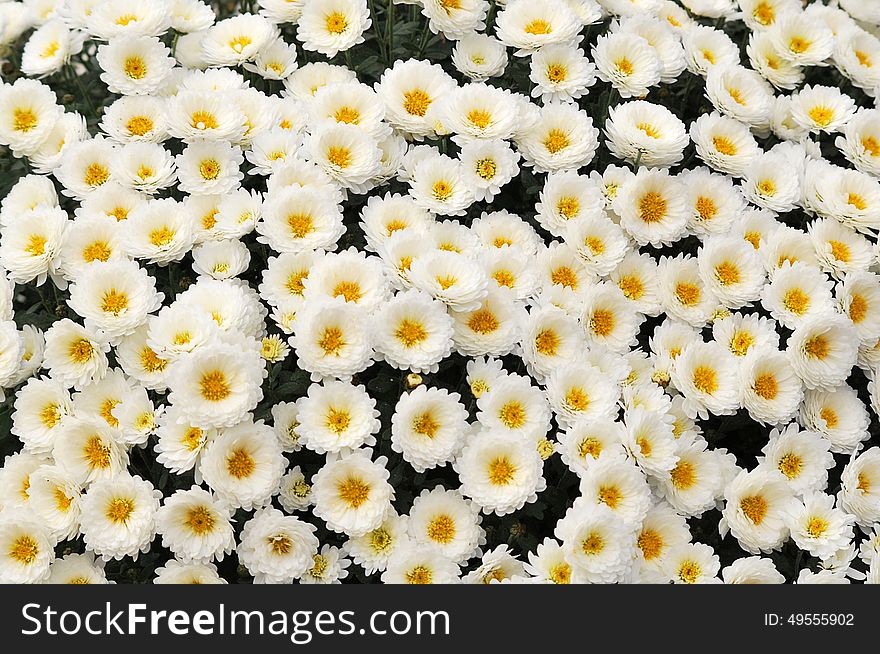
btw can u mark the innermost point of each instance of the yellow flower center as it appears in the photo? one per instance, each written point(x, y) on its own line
point(416, 102)
point(240, 464)
point(501, 471)
point(651, 544)
point(556, 141)
point(135, 67)
point(332, 341)
point(441, 529)
point(602, 322)
point(683, 475)
point(547, 342)
point(24, 120)
point(200, 520)
point(766, 386)
point(119, 510)
point(705, 379)
point(214, 386)
point(353, 491)
point(483, 322)
point(336, 23)
point(754, 507)
point(727, 273)
point(724, 145)
point(538, 26)
point(652, 207)
point(790, 465)
point(817, 347)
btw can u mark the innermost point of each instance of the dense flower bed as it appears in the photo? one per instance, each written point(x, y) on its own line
point(438, 291)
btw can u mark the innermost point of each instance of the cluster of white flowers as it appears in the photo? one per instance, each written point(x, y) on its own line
point(708, 274)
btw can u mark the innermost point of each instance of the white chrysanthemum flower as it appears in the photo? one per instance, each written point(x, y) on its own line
point(548, 564)
point(438, 185)
point(195, 526)
point(86, 166)
point(650, 441)
point(755, 510)
point(500, 474)
point(628, 62)
point(516, 408)
point(479, 56)
point(27, 548)
point(487, 165)
point(175, 572)
point(195, 115)
point(455, 20)
point(331, 339)
point(352, 494)
point(818, 527)
point(859, 298)
point(30, 246)
point(351, 103)
point(15, 478)
point(752, 570)
point(705, 373)
point(771, 184)
point(223, 259)
point(801, 39)
point(445, 521)
point(636, 277)
point(804, 458)
point(764, 58)
point(350, 275)
point(599, 242)
point(114, 297)
point(28, 113)
point(373, 550)
point(706, 47)
point(566, 199)
point(839, 415)
point(579, 393)
point(731, 270)
point(693, 484)
point(243, 464)
point(821, 108)
point(218, 384)
point(25, 195)
point(740, 93)
point(180, 445)
point(90, 239)
point(839, 249)
point(329, 566)
point(40, 407)
point(144, 167)
point(482, 373)
point(645, 132)
point(551, 338)
point(529, 26)
point(619, 485)
point(346, 153)
point(119, 516)
point(651, 207)
point(299, 219)
point(510, 269)
point(662, 531)
point(135, 66)
point(562, 136)
point(237, 39)
point(49, 48)
point(75, 355)
point(598, 545)
point(410, 90)
point(715, 203)
point(560, 72)
point(723, 143)
point(823, 350)
point(413, 332)
point(663, 38)
point(428, 427)
point(609, 319)
point(276, 548)
point(77, 569)
point(178, 330)
point(336, 416)
point(771, 391)
point(451, 278)
point(692, 563)
point(412, 564)
point(781, 244)
point(209, 168)
point(333, 26)
point(587, 441)
point(382, 217)
point(88, 449)
point(118, 19)
point(761, 14)
point(860, 483)
point(860, 142)
point(497, 566)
